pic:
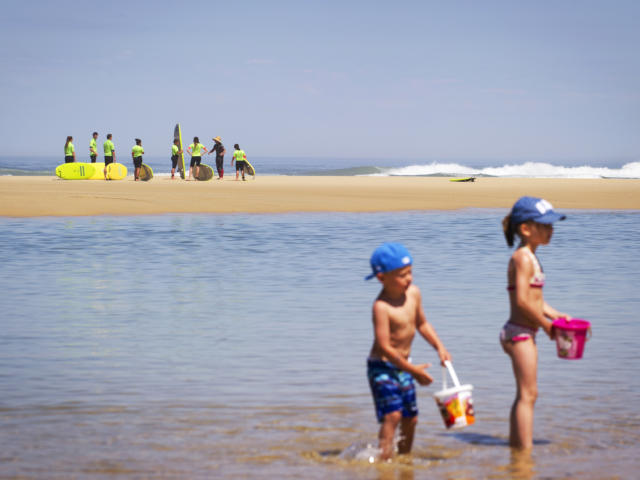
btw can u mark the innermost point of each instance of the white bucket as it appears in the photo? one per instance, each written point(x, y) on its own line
point(455, 403)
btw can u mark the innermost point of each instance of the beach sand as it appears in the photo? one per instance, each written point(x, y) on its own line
point(49, 196)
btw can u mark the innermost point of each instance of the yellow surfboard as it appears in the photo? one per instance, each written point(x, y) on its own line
point(249, 169)
point(177, 135)
point(116, 171)
point(98, 174)
point(146, 173)
point(75, 171)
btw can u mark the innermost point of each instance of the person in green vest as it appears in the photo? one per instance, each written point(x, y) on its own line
point(69, 151)
point(175, 152)
point(93, 147)
point(196, 149)
point(136, 154)
point(109, 153)
point(239, 157)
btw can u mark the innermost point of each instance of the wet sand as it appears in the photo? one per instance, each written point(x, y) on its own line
point(51, 196)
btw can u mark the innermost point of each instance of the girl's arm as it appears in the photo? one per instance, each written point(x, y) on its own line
point(523, 272)
point(552, 313)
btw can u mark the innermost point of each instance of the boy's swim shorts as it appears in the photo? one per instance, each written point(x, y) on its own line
point(392, 389)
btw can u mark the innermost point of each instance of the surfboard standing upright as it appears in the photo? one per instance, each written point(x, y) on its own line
point(177, 135)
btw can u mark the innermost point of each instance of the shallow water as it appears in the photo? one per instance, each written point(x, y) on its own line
point(234, 346)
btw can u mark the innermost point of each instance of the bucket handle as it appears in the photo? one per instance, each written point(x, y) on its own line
point(448, 366)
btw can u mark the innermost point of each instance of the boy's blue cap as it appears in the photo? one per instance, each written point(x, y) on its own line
point(388, 257)
point(536, 209)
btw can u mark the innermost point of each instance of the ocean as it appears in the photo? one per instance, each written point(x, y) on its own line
point(234, 346)
point(608, 168)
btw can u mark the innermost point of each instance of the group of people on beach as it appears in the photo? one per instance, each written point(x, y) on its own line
point(195, 150)
point(398, 314)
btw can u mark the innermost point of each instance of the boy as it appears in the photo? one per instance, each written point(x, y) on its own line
point(397, 315)
point(93, 147)
point(109, 153)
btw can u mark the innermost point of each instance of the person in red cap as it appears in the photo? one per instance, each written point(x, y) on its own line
point(397, 316)
point(531, 219)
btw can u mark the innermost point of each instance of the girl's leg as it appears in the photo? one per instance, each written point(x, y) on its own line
point(407, 430)
point(524, 359)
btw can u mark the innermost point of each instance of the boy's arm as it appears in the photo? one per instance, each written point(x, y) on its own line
point(429, 333)
point(381, 331)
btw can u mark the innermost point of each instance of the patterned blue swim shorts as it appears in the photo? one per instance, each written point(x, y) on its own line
point(392, 389)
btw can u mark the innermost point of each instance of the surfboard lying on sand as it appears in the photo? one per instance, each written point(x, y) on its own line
point(116, 171)
point(465, 179)
point(249, 169)
point(177, 135)
point(205, 173)
point(76, 170)
point(146, 173)
point(98, 174)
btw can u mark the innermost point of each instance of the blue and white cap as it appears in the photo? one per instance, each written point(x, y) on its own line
point(536, 209)
point(388, 257)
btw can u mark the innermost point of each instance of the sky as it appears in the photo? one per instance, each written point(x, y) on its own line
point(503, 80)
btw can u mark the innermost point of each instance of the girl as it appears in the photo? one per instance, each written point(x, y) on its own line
point(239, 157)
point(195, 150)
point(69, 151)
point(531, 219)
point(136, 155)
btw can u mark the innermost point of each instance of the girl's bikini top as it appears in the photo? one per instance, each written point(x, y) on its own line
point(537, 279)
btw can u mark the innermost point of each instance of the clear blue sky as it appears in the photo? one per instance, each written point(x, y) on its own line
point(508, 80)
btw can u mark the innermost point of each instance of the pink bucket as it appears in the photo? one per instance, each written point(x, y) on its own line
point(571, 336)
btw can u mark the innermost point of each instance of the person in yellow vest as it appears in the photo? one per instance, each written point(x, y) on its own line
point(136, 154)
point(109, 153)
point(239, 157)
point(196, 149)
point(93, 147)
point(175, 152)
point(69, 151)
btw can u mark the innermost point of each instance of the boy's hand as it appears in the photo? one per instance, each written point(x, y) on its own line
point(421, 376)
point(444, 356)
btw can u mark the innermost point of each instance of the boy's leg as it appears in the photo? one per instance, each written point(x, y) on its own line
point(387, 433)
point(407, 431)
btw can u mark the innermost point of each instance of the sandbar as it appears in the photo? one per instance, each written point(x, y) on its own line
point(38, 196)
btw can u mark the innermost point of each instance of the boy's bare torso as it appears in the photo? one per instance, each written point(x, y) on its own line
point(402, 317)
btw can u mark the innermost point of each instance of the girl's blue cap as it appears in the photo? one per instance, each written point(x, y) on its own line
point(536, 209)
point(388, 257)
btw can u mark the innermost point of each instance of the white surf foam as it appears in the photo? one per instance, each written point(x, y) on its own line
point(527, 170)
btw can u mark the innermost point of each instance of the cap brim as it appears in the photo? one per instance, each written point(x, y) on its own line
point(370, 276)
point(550, 217)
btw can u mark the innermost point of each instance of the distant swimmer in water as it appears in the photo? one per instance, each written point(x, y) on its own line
point(109, 153)
point(175, 153)
point(93, 147)
point(239, 157)
point(195, 150)
point(531, 219)
point(69, 151)
point(136, 155)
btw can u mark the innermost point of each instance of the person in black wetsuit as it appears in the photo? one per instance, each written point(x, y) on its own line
point(220, 151)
